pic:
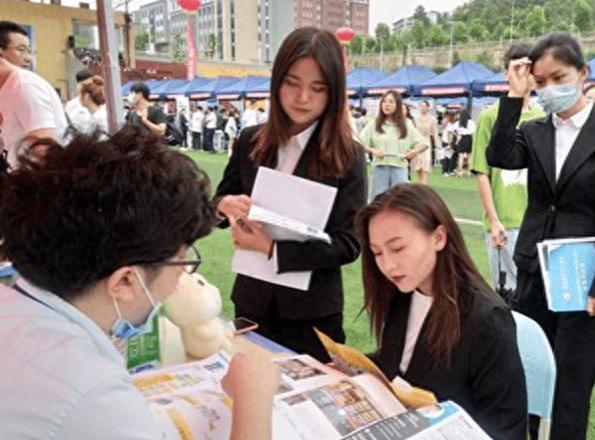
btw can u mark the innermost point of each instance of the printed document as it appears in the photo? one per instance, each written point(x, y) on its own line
point(290, 208)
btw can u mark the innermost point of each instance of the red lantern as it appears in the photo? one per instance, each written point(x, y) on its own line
point(190, 6)
point(344, 35)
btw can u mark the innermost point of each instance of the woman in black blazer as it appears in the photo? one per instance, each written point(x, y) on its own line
point(308, 135)
point(559, 154)
point(439, 325)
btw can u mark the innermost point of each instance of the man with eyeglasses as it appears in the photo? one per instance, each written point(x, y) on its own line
point(30, 108)
point(15, 46)
point(100, 233)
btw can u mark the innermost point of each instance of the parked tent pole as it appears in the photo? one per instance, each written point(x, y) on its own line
point(111, 65)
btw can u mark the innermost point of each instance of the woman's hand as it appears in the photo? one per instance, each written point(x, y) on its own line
point(591, 306)
point(234, 206)
point(520, 79)
point(377, 152)
point(250, 236)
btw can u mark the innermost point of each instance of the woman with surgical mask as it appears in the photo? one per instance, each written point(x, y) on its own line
point(559, 154)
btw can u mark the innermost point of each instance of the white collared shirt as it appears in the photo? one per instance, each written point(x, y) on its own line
point(61, 376)
point(566, 133)
point(418, 311)
point(299, 142)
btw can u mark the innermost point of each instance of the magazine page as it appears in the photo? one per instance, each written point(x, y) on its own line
point(188, 400)
point(444, 421)
point(317, 402)
point(351, 362)
point(568, 271)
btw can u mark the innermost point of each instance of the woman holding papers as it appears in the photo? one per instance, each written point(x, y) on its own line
point(393, 140)
point(559, 154)
point(307, 135)
point(439, 325)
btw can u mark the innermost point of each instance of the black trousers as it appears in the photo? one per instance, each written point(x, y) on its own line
point(196, 140)
point(208, 140)
point(298, 335)
point(572, 336)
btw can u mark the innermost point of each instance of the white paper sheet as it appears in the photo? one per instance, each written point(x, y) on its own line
point(293, 197)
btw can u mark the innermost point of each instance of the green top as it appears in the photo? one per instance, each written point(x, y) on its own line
point(390, 143)
point(509, 187)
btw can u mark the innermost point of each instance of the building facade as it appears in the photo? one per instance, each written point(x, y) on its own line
point(333, 14)
point(245, 31)
point(65, 40)
point(406, 23)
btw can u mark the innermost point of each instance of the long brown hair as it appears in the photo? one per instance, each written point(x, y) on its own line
point(337, 150)
point(397, 118)
point(455, 278)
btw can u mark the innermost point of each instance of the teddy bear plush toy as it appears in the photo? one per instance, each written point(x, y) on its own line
point(195, 307)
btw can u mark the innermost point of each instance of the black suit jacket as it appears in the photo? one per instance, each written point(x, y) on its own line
point(325, 295)
point(556, 209)
point(486, 375)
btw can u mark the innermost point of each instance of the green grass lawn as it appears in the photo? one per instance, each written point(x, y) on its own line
point(459, 193)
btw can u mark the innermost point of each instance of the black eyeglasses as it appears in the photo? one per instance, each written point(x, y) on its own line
point(190, 265)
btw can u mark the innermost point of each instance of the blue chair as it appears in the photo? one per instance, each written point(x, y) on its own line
point(540, 370)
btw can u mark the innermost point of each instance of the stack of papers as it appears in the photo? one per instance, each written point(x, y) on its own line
point(290, 208)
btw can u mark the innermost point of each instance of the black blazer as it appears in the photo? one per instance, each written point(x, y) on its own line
point(325, 295)
point(486, 376)
point(556, 209)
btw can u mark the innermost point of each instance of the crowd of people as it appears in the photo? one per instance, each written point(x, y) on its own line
point(98, 226)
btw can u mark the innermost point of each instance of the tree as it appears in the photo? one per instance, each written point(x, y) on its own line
point(477, 31)
point(582, 13)
point(419, 15)
point(437, 36)
point(461, 34)
point(357, 45)
point(178, 53)
point(382, 34)
point(418, 34)
point(212, 45)
point(369, 43)
point(141, 40)
point(535, 21)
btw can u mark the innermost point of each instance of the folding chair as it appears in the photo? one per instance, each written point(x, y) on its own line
point(540, 370)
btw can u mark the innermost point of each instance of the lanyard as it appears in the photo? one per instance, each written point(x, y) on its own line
point(28, 295)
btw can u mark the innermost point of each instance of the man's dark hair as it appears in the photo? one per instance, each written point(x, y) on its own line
point(516, 52)
point(83, 75)
point(10, 27)
point(141, 87)
point(80, 213)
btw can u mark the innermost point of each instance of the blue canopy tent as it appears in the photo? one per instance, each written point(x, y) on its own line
point(239, 89)
point(126, 88)
point(455, 81)
point(360, 78)
point(167, 90)
point(403, 80)
point(194, 84)
point(260, 91)
point(495, 84)
point(210, 89)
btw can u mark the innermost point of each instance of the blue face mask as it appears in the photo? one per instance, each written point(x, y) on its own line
point(124, 329)
point(558, 98)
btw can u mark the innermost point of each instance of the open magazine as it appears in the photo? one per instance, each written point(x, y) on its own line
point(568, 271)
point(313, 401)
